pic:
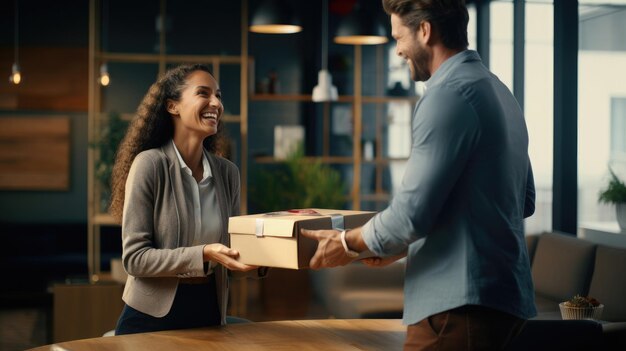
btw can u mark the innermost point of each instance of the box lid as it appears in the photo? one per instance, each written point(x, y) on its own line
point(283, 223)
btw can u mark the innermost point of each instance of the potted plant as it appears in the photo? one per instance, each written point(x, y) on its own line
point(298, 183)
point(111, 134)
point(615, 193)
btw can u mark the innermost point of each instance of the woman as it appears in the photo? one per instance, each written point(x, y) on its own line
point(173, 196)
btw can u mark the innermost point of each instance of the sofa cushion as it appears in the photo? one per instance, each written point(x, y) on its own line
point(608, 284)
point(531, 245)
point(562, 266)
point(547, 307)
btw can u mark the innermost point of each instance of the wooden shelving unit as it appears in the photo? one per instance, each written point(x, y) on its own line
point(97, 118)
point(356, 160)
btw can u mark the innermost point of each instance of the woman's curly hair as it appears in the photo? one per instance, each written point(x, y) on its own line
point(152, 127)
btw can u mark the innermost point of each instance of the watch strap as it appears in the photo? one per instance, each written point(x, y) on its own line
point(349, 253)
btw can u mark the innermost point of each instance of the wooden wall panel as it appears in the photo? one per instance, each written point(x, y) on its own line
point(53, 78)
point(34, 153)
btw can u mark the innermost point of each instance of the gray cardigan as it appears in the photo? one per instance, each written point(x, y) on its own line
point(155, 234)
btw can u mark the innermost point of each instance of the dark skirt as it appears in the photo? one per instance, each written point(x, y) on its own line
point(194, 306)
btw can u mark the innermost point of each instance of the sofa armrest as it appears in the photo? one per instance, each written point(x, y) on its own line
point(538, 335)
point(615, 335)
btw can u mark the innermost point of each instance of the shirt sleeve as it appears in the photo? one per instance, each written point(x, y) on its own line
point(445, 132)
point(142, 253)
point(529, 201)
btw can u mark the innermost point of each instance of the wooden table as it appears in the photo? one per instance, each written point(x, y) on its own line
point(300, 335)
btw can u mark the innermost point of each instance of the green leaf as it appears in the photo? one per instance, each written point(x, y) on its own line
point(615, 192)
point(298, 183)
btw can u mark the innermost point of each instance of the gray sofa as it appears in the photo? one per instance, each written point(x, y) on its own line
point(562, 266)
point(358, 291)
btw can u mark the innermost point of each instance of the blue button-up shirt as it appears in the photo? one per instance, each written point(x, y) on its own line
point(467, 188)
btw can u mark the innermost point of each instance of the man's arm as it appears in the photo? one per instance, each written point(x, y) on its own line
point(445, 133)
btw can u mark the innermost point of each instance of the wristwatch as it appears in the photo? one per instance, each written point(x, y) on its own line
point(350, 253)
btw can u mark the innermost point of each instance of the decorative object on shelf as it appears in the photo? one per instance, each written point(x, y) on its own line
point(581, 307)
point(112, 134)
point(273, 85)
point(287, 139)
point(298, 183)
point(275, 17)
point(398, 90)
point(324, 90)
point(615, 193)
point(361, 27)
point(16, 74)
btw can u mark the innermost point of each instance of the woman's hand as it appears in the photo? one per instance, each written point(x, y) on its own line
point(225, 256)
point(382, 261)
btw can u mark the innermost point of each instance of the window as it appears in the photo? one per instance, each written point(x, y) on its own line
point(539, 108)
point(601, 104)
point(618, 131)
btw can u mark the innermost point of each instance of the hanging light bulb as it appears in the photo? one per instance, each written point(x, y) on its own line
point(16, 74)
point(104, 75)
point(324, 90)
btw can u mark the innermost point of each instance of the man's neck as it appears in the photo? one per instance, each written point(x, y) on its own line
point(440, 55)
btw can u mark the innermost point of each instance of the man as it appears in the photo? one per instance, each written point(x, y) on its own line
point(458, 215)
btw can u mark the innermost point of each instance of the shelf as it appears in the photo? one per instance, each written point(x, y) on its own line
point(376, 197)
point(128, 116)
point(231, 118)
point(157, 58)
point(385, 99)
point(331, 159)
point(104, 219)
point(342, 98)
point(323, 159)
point(384, 160)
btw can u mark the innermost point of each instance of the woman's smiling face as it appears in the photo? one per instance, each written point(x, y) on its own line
point(200, 106)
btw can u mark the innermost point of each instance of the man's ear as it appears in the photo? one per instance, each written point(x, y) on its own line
point(172, 107)
point(425, 32)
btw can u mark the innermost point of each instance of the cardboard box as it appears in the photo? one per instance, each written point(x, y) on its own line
point(273, 239)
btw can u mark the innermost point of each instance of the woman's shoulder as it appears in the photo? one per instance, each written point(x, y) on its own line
point(149, 158)
point(150, 154)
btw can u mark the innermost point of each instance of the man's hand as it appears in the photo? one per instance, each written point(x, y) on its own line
point(225, 256)
point(330, 251)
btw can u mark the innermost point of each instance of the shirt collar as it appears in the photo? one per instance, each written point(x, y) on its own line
point(443, 70)
point(205, 164)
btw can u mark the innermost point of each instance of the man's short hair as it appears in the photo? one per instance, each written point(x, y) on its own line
point(448, 18)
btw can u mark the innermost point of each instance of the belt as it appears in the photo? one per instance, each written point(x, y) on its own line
point(195, 280)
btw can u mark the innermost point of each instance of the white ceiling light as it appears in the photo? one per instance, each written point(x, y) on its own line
point(324, 90)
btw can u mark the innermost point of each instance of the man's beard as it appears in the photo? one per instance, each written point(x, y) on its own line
point(420, 64)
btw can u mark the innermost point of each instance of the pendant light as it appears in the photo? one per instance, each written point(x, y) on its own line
point(274, 17)
point(16, 74)
point(104, 79)
point(361, 28)
point(324, 90)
